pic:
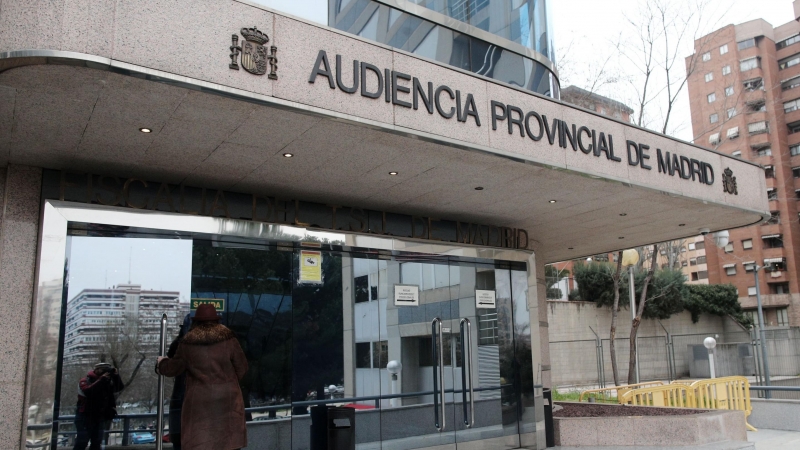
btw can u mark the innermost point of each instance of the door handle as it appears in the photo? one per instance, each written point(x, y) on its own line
point(466, 371)
point(160, 407)
point(438, 364)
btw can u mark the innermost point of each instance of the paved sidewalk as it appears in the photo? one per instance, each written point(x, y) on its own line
point(774, 439)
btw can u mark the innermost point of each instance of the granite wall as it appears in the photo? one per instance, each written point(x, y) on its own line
point(20, 188)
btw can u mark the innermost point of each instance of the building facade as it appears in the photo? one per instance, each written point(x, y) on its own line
point(743, 87)
point(369, 197)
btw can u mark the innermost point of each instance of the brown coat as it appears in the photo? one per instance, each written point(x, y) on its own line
point(213, 409)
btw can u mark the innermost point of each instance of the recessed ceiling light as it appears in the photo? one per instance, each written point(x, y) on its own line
point(623, 214)
point(145, 130)
point(287, 155)
point(571, 248)
point(392, 173)
point(479, 188)
point(552, 201)
point(622, 237)
point(681, 224)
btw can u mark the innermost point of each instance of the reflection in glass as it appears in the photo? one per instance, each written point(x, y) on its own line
point(524, 23)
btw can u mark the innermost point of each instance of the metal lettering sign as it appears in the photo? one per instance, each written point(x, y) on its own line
point(406, 295)
point(484, 299)
point(407, 91)
point(219, 303)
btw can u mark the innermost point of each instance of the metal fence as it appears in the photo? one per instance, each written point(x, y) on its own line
point(669, 357)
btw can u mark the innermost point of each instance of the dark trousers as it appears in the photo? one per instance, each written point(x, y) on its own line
point(88, 430)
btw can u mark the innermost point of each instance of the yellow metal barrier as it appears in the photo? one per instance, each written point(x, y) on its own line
point(724, 393)
point(604, 394)
point(674, 395)
point(732, 393)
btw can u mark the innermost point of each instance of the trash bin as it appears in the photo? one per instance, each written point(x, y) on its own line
point(319, 428)
point(549, 431)
point(341, 429)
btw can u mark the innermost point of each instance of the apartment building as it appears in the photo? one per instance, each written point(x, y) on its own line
point(744, 88)
point(99, 320)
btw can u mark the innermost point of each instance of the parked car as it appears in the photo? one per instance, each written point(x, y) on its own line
point(142, 438)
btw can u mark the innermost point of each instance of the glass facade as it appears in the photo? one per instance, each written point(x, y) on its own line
point(444, 370)
point(524, 22)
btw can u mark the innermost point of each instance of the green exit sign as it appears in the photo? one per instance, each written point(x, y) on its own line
point(219, 303)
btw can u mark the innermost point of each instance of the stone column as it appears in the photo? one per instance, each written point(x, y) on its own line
point(20, 194)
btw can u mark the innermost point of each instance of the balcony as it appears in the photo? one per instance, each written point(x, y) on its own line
point(769, 300)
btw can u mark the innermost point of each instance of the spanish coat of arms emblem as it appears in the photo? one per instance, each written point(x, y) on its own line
point(255, 57)
point(729, 182)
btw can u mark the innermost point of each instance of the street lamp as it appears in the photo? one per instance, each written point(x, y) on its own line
point(762, 333)
point(710, 343)
point(630, 258)
point(394, 367)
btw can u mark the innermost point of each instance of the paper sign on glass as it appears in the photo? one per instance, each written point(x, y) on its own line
point(406, 295)
point(484, 299)
point(310, 266)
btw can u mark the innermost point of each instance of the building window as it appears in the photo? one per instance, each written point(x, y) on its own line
point(785, 63)
point(730, 113)
point(782, 316)
point(769, 171)
point(772, 193)
point(726, 70)
point(775, 264)
point(701, 260)
point(763, 151)
point(707, 56)
point(729, 247)
point(753, 84)
point(757, 127)
point(691, 246)
point(700, 245)
point(787, 42)
point(737, 154)
point(747, 244)
point(733, 133)
point(773, 241)
point(748, 64)
point(759, 105)
point(711, 97)
point(796, 172)
point(714, 118)
point(791, 106)
point(751, 291)
point(778, 288)
point(700, 275)
point(746, 43)
point(774, 218)
point(713, 139)
point(692, 261)
point(790, 83)
point(728, 91)
point(723, 49)
point(730, 269)
point(709, 76)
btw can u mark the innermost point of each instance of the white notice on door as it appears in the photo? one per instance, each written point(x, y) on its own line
point(484, 299)
point(406, 295)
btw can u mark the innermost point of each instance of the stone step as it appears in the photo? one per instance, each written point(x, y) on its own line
point(724, 445)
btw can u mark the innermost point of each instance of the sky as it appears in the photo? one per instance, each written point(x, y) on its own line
point(586, 29)
point(156, 264)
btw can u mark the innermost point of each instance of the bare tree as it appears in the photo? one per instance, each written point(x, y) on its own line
point(614, 314)
point(658, 34)
point(639, 311)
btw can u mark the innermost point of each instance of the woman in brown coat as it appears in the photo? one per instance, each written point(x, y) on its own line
point(213, 408)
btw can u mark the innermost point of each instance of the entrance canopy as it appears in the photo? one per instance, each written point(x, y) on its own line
point(366, 126)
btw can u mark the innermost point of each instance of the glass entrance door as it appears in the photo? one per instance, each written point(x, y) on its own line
point(402, 342)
